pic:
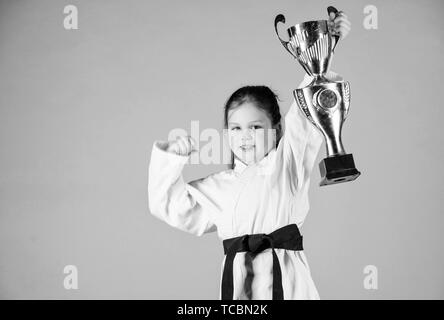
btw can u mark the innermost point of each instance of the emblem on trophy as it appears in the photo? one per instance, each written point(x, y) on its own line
point(325, 103)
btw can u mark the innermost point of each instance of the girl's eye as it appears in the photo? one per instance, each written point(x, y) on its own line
point(254, 127)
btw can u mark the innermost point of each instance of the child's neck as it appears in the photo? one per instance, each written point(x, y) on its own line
point(253, 163)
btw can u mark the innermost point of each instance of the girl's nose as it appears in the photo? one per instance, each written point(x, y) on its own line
point(247, 134)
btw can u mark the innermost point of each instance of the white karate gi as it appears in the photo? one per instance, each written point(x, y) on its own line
point(258, 198)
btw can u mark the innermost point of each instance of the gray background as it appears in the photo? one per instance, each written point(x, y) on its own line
point(80, 110)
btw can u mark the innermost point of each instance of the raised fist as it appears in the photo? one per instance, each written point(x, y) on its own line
point(183, 146)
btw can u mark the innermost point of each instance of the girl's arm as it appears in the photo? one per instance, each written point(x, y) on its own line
point(302, 140)
point(181, 205)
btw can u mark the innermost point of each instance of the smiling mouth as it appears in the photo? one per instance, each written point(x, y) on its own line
point(249, 147)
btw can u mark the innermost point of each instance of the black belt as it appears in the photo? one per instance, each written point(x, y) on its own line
point(287, 237)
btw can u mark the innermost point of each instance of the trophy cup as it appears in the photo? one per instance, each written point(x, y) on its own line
point(324, 103)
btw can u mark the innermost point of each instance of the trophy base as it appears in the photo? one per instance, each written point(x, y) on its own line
point(337, 169)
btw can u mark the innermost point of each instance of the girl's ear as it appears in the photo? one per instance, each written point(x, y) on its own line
point(278, 128)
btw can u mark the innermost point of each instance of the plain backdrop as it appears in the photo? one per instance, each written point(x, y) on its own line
point(80, 110)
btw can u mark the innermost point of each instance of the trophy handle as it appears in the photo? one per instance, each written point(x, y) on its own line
point(281, 18)
point(331, 9)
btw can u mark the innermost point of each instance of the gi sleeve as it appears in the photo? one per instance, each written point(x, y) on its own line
point(170, 199)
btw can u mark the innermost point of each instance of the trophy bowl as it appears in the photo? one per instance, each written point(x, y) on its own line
point(312, 44)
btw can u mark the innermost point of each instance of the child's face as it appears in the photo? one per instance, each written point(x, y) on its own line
point(250, 133)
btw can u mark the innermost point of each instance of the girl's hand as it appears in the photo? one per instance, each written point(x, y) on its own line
point(182, 146)
point(340, 25)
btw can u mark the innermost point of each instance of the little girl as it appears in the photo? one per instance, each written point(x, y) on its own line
point(256, 206)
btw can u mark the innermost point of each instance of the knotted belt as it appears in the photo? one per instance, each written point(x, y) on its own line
point(287, 237)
